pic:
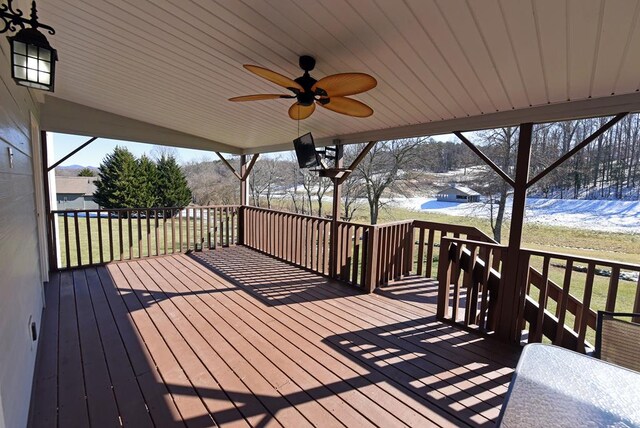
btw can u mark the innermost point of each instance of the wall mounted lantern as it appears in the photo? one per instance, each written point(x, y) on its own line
point(33, 60)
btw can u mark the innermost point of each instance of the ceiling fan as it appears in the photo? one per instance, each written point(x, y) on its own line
point(329, 92)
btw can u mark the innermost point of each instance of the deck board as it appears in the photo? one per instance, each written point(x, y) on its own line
point(232, 337)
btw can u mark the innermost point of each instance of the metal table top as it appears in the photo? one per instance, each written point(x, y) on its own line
point(555, 387)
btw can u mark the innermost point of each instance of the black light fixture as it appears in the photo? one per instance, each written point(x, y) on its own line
point(33, 60)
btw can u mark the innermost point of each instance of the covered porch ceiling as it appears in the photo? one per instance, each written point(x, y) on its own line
point(161, 72)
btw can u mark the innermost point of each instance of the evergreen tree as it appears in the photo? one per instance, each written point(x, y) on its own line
point(147, 182)
point(86, 172)
point(117, 181)
point(172, 187)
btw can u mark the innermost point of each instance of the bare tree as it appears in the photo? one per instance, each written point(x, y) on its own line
point(315, 188)
point(264, 179)
point(382, 168)
point(211, 182)
point(500, 145)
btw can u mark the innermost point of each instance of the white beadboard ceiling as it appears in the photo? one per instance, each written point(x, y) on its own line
point(144, 68)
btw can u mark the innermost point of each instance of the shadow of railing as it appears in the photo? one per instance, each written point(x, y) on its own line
point(426, 363)
point(416, 289)
point(273, 281)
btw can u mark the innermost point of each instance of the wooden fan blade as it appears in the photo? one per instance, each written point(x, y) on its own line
point(348, 106)
point(300, 112)
point(338, 85)
point(259, 97)
point(274, 77)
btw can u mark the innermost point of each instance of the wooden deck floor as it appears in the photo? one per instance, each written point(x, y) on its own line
point(236, 338)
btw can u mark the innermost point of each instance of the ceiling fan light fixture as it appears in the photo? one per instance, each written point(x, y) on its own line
point(308, 91)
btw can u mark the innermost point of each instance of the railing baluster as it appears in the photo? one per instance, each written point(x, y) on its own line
point(89, 240)
point(561, 312)
point(586, 304)
point(187, 231)
point(148, 215)
point(164, 230)
point(100, 246)
point(542, 301)
point(202, 240)
point(110, 227)
point(357, 232)
point(155, 220)
point(67, 248)
point(180, 230)
point(420, 261)
point(471, 287)
point(77, 232)
point(139, 222)
point(486, 254)
point(430, 245)
point(121, 235)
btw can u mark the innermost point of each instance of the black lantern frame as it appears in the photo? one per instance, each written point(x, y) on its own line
point(33, 59)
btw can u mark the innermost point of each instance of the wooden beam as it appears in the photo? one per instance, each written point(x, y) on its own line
point(73, 152)
point(51, 233)
point(335, 210)
point(604, 128)
point(243, 197)
point(243, 181)
point(246, 173)
point(231, 168)
point(509, 292)
point(485, 158)
point(357, 161)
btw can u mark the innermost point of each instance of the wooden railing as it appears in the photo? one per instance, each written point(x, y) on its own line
point(427, 237)
point(393, 252)
point(306, 242)
point(560, 294)
point(563, 293)
point(469, 281)
point(92, 237)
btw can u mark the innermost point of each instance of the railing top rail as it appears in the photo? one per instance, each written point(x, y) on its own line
point(393, 223)
point(270, 210)
point(453, 228)
point(141, 209)
point(352, 223)
point(600, 262)
point(474, 242)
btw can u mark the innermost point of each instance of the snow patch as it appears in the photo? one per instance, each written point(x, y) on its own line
point(608, 216)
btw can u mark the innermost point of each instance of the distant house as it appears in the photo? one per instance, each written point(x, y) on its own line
point(458, 194)
point(75, 193)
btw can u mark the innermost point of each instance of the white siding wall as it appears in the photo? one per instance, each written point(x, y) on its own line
point(20, 285)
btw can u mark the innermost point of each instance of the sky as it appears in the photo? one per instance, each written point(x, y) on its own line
point(94, 153)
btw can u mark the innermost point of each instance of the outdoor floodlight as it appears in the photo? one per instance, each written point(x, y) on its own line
point(33, 59)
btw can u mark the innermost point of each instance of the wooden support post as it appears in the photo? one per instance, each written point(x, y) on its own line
point(337, 195)
point(510, 288)
point(51, 227)
point(243, 196)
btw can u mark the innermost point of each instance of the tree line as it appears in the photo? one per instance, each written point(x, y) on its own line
point(125, 181)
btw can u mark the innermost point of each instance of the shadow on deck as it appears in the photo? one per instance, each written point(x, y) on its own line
point(233, 337)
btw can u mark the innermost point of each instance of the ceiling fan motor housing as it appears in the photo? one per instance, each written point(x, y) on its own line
point(306, 97)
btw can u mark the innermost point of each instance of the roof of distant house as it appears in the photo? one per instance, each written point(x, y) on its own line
point(463, 189)
point(76, 185)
